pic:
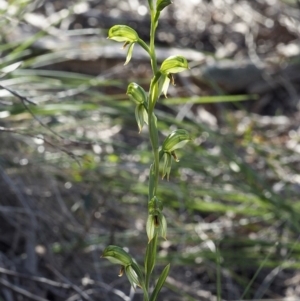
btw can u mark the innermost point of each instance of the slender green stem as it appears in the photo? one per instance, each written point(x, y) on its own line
point(144, 45)
point(154, 170)
point(153, 131)
point(218, 259)
point(154, 174)
point(152, 40)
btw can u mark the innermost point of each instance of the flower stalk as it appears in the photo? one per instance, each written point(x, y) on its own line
point(156, 225)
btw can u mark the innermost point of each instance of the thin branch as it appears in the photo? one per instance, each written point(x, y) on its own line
point(11, 130)
point(20, 291)
point(24, 100)
point(46, 141)
point(117, 292)
point(76, 288)
point(35, 278)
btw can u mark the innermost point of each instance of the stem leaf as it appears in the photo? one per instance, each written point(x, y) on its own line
point(161, 280)
point(150, 256)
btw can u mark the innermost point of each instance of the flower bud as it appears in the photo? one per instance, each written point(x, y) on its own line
point(136, 93)
point(161, 4)
point(174, 64)
point(123, 33)
point(177, 139)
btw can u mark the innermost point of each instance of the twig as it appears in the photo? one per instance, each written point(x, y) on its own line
point(83, 294)
point(46, 141)
point(11, 130)
point(117, 292)
point(5, 103)
point(77, 296)
point(20, 291)
point(30, 234)
point(62, 204)
point(7, 293)
point(35, 278)
point(24, 100)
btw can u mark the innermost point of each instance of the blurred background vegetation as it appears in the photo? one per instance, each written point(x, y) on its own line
point(73, 168)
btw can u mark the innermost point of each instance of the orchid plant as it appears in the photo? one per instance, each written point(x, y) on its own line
point(156, 225)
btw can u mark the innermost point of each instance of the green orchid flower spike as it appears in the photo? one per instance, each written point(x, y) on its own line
point(163, 154)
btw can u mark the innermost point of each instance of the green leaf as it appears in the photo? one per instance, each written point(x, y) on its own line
point(161, 280)
point(150, 2)
point(209, 99)
point(161, 4)
point(150, 256)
